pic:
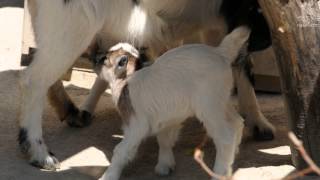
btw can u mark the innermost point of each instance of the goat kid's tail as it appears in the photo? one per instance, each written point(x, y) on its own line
point(234, 42)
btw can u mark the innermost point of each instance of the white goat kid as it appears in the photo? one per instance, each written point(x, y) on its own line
point(192, 80)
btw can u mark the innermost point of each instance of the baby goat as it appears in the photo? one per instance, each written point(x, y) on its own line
point(192, 80)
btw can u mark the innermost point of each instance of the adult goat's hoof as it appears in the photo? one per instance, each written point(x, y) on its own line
point(79, 118)
point(49, 163)
point(260, 134)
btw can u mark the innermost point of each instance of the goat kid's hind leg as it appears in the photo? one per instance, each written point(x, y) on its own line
point(224, 133)
point(236, 119)
point(226, 139)
point(126, 150)
point(64, 30)
point(249, 108)
point(166, 140)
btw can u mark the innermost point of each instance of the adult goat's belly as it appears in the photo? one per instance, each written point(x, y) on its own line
point(153, 22)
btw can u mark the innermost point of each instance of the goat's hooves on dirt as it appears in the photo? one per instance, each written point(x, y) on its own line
point(79, 119)
point(263, 134)
point(162, 170)
point(49, 163)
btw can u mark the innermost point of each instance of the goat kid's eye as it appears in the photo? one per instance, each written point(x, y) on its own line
point(123, 61)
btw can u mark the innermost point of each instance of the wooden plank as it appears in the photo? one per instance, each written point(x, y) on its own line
point(265, 70)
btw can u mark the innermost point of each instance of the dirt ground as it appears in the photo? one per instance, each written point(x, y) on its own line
point(85, 153)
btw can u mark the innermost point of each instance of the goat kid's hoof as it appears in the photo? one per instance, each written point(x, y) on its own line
point(163, 170)
point(79, 119)
point(48, 163)
point(263, 134)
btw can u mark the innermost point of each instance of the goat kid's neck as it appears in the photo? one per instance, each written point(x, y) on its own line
point(117, 88)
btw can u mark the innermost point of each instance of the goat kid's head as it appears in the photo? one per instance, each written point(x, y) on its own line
point(121, 61)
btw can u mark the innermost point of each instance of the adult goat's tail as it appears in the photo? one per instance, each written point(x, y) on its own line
point(233, 42)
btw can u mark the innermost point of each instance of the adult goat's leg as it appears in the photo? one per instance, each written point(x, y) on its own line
point(63, 31)
point(65, 108)
point(248, 104)
point(81, 117)
point(96, 91)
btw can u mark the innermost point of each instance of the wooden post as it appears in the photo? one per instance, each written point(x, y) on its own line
point(295, 27)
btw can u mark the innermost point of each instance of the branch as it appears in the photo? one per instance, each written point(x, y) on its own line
point(312, 166)
point(303, 152)
point(198, 156)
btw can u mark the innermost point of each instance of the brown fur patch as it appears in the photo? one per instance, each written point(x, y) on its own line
point(124, 104)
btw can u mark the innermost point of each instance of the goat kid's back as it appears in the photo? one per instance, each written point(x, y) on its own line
point(187, 76)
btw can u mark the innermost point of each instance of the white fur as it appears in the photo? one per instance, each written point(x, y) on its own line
point(192, 80)
point(126, 47)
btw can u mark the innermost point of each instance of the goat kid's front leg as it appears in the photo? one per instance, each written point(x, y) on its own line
point(166, 140)
point(125, 151)
point(60, 41)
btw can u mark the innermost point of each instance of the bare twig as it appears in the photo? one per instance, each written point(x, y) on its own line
point(298, 174)
point(304, 153)
point(198, 156)
point(312, 166)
